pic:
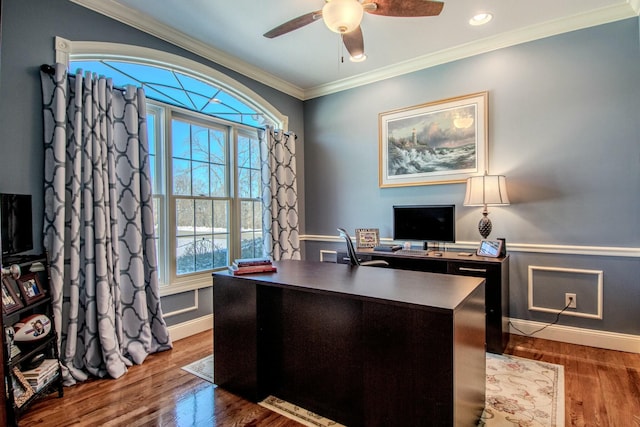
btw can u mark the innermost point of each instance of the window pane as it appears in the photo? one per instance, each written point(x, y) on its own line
point(244, 152)
point(151, 133)
point(221, 216)
point(182, 177)
point(244, 183)
point(204, 217)
point(204, 253)
point(181, 139)
point(218, 180)
point(257, 218)
point(156, 225)
point(200, 171)
point(255, 184)
point(200, 143)
point(185, 255)
point(251, 229)
point(185, 214)
point(218, 146)
point(255, 153)
point(221, 252)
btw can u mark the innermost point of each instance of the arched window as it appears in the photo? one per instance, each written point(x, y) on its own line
point(204, 149)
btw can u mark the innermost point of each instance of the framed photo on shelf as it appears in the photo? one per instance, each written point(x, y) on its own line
point(10, 300)
point(30, 288)
point(439, 142)
point(22, 391)
point(367, 237)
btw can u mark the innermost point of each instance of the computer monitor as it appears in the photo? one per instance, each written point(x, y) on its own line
point(427, 223)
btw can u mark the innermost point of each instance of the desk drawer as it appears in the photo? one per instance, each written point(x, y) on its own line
point(472, 269)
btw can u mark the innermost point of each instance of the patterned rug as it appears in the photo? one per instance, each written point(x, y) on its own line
point(202, 368)
point(519, 392)
point(523, 392)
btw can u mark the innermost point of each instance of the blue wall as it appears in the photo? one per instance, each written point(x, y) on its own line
point(564, 124)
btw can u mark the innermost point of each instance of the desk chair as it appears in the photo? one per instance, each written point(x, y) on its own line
point(353, 258)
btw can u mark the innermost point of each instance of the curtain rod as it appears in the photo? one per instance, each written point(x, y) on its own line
point(49, 69)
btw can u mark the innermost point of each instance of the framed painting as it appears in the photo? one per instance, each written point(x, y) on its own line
point(439, 142)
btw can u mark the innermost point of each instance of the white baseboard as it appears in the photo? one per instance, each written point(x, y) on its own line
point(588, 337)
point(192, 327)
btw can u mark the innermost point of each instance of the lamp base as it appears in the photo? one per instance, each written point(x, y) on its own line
point(484, 226)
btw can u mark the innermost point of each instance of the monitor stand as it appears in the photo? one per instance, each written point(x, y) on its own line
point(432, 246)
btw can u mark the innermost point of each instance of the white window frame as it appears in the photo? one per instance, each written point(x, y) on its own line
point(67, 51)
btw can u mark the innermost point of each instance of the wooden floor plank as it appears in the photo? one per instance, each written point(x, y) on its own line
point(602, 388)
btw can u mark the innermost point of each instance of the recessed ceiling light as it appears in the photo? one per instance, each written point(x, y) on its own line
point(481, 18)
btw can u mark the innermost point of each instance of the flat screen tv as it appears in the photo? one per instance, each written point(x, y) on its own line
point(428, 223)
point(15, 217)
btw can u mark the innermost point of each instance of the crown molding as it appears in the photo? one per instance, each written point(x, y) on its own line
point(144, 23)
point(523, 35)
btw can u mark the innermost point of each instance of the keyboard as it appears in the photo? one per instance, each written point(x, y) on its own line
point(415, 252)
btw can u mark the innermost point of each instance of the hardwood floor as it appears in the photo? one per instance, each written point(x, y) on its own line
point(602, 389)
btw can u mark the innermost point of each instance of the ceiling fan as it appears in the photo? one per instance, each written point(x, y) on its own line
point(344, 17)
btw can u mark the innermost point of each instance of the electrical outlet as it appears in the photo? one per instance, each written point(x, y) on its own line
point(570, 300)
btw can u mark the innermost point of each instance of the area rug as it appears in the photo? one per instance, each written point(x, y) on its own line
point(202, 368)
point(297, 413)
point(523, 392)
point(519, 392)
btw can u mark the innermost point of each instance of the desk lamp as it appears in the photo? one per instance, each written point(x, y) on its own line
point(486, 190)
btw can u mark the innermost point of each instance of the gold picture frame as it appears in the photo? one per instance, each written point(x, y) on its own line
point(367, 237)
point(22, 391)
point(439, 142)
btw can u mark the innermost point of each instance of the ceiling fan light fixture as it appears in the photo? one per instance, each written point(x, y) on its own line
point(342, 16)
point(358, 58)
point(480, 18)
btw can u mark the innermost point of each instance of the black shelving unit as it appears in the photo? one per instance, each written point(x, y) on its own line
point(47, 346)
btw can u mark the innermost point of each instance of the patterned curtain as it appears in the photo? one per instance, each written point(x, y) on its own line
point(98, 226)
point(279, 194)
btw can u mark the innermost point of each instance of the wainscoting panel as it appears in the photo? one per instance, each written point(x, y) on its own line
point(328, 256)
point(556, 281)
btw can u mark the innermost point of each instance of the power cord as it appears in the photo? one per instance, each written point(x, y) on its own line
point(545, 326)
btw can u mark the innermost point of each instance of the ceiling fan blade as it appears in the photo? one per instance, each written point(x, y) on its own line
point(354, 42)
point(294, 24)
point(404, 7)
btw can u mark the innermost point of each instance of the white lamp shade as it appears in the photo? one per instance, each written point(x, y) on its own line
point(342, 16)
point(489, 190)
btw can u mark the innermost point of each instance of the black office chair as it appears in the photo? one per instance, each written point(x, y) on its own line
point(353, 258)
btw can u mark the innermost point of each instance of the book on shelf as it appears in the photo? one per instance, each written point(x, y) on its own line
point(249, 262)
point(47, 366)
point(266, 268)
point(40, 383)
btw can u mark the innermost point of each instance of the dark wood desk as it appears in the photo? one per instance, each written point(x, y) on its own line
point(494, 270)
point(360, 345)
